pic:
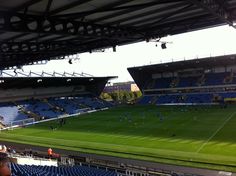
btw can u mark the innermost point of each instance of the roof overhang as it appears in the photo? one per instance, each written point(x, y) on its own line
point(38, 82)
point(199, 63)
point(36, 30)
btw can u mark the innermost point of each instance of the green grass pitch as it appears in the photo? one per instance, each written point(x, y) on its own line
point(199, 137)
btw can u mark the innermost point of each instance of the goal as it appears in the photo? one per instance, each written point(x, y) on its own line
point(21, 123)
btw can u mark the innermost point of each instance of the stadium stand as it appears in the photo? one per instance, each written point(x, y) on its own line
point(27, 170)
point(145, 100)
point(187, 81)
point(12, 112)
point(203, 98)
point(49, 108)
point(92, 102)
point(56, 97)
point(65, 104)
point(163, 82)
point(193, 82)
point(41, 108)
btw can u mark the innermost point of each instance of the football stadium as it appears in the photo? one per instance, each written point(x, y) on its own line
point(56, 124)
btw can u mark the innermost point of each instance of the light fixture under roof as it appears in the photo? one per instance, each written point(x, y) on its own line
point(163, 46)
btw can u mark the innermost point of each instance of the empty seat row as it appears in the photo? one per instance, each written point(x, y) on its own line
point(10, 112)
point(48, 108)
point(208, 79)
point(32, 170)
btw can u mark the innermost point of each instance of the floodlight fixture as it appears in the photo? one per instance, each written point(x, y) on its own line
point(114, 48)
point(70, 61)
point(163, 46)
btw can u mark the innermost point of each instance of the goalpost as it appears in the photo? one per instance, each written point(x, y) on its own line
point(21, 123)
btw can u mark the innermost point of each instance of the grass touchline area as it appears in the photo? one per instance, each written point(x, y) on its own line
point(223, 124)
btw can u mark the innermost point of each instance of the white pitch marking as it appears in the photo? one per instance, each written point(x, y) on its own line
point(220, 127)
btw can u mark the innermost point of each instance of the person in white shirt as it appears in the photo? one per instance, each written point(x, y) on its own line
point(3, 148)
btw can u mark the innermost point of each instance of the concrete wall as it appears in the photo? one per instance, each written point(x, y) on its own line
point(34, 161)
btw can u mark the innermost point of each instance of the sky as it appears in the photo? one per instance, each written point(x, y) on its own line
point(199, 44)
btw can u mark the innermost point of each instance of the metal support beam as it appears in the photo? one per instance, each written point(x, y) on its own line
point(25, 5)
point(132, 8)
point(34, 49)
point(152, 20)
point(214, 8)
point(180, 26)
point(31, 47)
point(151, 12)
point(48, 7)
point(112, 8)
point(12, 54)
point(81, 14)
point(19, 22)
point(105, 8)
point(165, 17)
point(68, 6)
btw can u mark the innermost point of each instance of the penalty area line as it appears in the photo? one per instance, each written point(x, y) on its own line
point(217, 130)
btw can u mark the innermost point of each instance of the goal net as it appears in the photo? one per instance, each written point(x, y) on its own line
point(21, 123)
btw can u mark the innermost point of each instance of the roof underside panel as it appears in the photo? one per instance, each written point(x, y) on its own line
point(36, 30)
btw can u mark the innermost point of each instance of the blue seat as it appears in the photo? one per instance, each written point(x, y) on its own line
point(10, 112)
point(27, 170)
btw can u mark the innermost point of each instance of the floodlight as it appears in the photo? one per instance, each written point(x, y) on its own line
point(70, 61)
point(114, 48)
point(163, 45)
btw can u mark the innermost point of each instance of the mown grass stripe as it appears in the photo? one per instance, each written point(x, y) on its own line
point(213, 135)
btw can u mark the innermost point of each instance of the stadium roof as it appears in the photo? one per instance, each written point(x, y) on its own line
point(94, 85)
point(36, 30)
point(203, 63)
point(36, 82)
